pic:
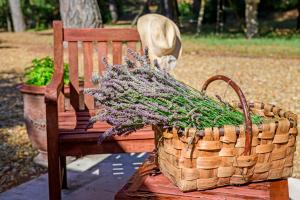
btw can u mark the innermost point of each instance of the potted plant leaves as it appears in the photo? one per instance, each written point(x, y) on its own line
point(37, 76)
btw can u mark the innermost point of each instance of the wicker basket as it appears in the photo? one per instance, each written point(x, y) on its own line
point(223, 156)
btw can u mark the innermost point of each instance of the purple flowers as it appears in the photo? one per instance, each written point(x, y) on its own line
point(133, 96)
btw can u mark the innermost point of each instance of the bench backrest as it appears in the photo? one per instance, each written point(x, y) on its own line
point(89, 41)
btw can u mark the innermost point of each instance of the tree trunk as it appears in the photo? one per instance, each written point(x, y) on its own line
point(201, 15)
point(169, 8)
point(8, 23)
point(298, 19)
point(144, 8)
point(17, 15)
point(220, 16)
point(80, 14)
point(251, 18)
point(113, 10)
point(196, 7)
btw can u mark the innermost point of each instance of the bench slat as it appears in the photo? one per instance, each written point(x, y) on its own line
point(73, 74)
point(102, 53)
point(117, 52)
point(101, 34)
point(88, 70)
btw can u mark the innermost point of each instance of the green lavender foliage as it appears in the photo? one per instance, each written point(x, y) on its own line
point(41, 70)
point(134, 95)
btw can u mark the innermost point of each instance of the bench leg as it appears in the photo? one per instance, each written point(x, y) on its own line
point(54, 176)
point(54, 173)
point(63, 166)
point(279, 190)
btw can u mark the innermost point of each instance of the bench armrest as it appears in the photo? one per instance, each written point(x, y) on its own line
point(53, 89)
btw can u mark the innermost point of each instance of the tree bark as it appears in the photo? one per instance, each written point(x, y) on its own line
point(196, 7)
point(220, 16)
point(113, 10)
point(201, 15)
point(251, 18)
point(8, 23)
point(17, 15)
point(80, 13)
point(298, 19)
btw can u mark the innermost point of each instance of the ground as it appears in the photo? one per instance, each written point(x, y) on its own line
point(266, 69)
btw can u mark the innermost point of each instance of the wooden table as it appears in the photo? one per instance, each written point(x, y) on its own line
point(144, 186)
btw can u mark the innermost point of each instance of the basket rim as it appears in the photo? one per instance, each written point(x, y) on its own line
point(267, 107)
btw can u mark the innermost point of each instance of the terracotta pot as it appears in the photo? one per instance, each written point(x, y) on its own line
point(35, 119)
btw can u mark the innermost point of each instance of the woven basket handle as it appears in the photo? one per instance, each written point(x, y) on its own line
point(244, 104)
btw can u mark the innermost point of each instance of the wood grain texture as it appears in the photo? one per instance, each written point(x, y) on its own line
point(117, 52)
point(279, 190)
point(73, 74)
point(61, 102)
point(55, 86)
point(122, 146)
point(88, 70)
point(53, 147)
point(132, 45)
point(102, 53)
point(51, 99)
point(101, 34)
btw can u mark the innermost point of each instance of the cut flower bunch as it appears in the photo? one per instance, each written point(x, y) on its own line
point(136, 94)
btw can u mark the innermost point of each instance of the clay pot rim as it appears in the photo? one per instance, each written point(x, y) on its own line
point(31, 89)
point(34, 89)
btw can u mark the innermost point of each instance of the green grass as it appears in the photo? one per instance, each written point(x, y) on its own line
point(237, 44)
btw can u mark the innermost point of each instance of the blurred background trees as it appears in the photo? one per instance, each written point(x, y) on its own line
point(252, 17)
point(80, 14)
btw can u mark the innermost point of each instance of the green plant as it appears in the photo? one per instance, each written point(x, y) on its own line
point(186, 12)
point(41, 71)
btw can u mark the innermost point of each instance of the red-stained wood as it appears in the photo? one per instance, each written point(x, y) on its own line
point(80, 135)
point(66, 125)
point(51, 98)
point(131, 45)
point(101, 34)
point(54, 88)
point(73, 75)
point(117, 52)
point(121, 146)
point(143, 186)
point(279, 190)
point(63, 169)
point(61, 102)
point(88, 70)
point(102, 53)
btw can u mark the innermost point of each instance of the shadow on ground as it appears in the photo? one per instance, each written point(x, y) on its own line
point(90, 177)
point(11, 107)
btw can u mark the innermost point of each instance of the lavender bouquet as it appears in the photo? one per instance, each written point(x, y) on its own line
point(136, 94)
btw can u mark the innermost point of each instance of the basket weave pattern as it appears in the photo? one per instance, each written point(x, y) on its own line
point(217, 157)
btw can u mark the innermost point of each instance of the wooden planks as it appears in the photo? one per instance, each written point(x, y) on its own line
point(117, 52)
point(121, 146)
point(88, 70)
point(52, 117)
point(101, 34)
point(102, 53)
point(73, 75)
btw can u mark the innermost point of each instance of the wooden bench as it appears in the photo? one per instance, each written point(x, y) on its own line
point(143, 186)
point(68, 110)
